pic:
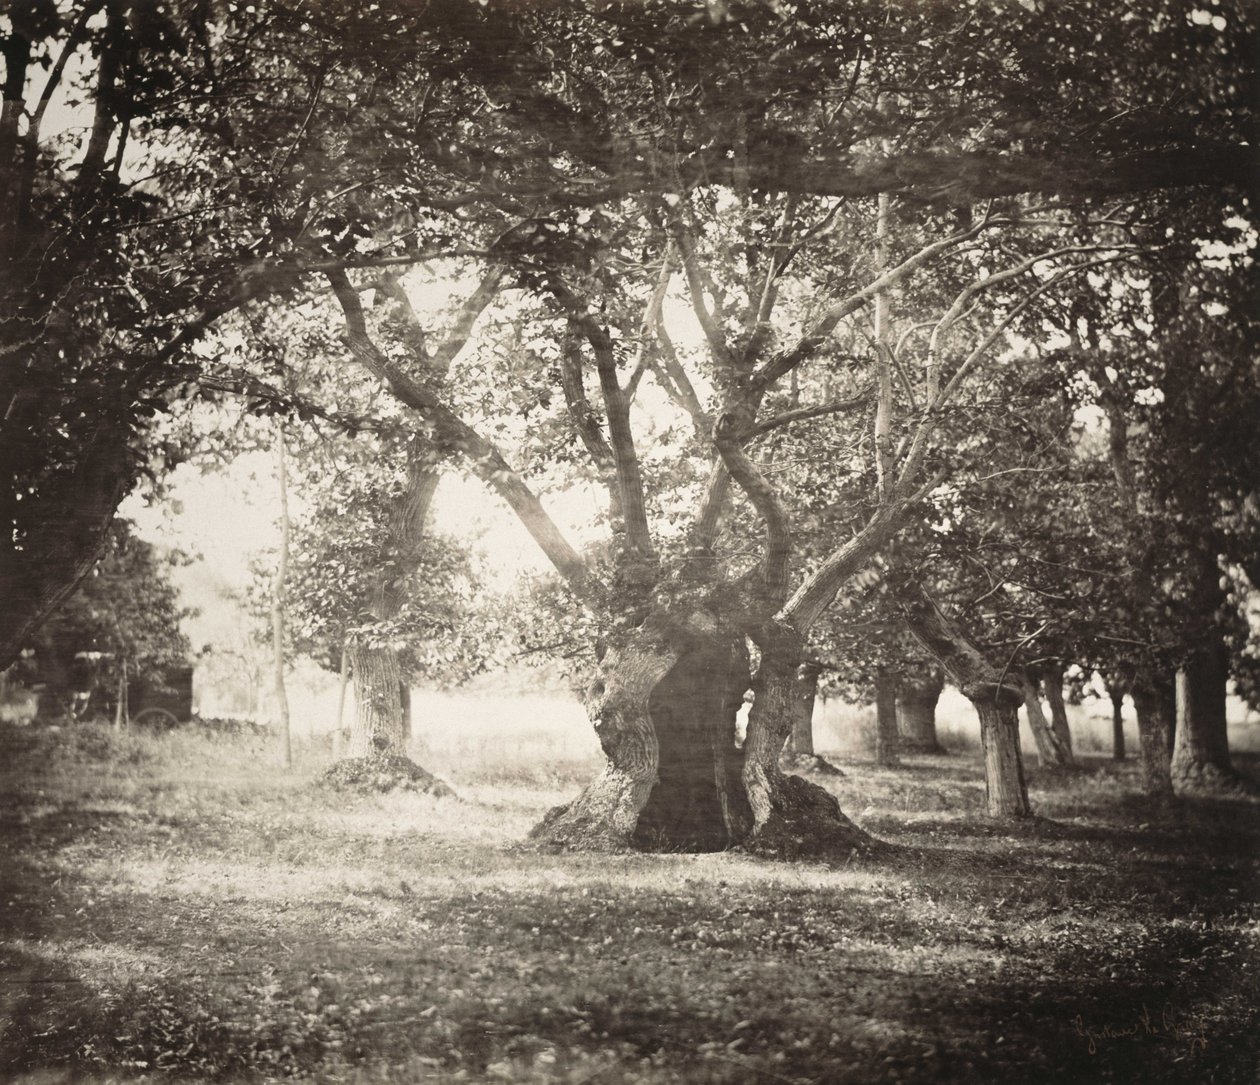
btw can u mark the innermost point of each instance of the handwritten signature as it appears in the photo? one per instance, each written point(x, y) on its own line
point(1166, 1024)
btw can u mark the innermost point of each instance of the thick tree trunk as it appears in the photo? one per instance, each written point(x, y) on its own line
point(802, 738)
point(382, 725)
point(1154, 700)
point(886, 739)
point(1200, 758)
point(1006, 792)
point(791, 817)
point(377, 729)
point(375, 755)
point(1052, 681)
point(1049, 751)
point(981, 683)
point(674, 779)
point(918, 692)
point(647, 693)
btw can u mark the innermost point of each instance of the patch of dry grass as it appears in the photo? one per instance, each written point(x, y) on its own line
point(176, 906)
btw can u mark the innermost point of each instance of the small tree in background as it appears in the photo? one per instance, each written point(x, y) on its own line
point(345, 552)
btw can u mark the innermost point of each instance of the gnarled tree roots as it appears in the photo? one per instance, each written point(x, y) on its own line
point(805, 823)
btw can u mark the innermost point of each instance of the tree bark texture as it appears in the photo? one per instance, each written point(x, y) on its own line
point(981, 682)
point(918, 692)
point(802, 738)
point(1006, 792)
point(665, 714)
point(791, 816)
point(1117, 723)
point(377, 728)
point(1049, 750)
point(1154, 700)
point(1200, 759)
point(1052, 682)
point(886, 738)
point(404, 549)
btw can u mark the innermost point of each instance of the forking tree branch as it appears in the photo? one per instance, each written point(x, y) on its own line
point(813, 339)
point(817, 592)
point(699, 284)
point(764, 499)
point(453, 434)
point(633, 502)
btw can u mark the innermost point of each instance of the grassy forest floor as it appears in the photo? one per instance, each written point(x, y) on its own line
point(176, 907)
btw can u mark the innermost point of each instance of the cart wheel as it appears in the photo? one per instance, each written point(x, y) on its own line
point(157, 718)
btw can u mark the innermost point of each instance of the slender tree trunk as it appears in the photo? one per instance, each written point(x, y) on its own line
point(277, 607)
point(1117, 722)
point(1049, 750)
point(802, 738)
point(1154, 700)
point(339, 736)
point(120, 707)
point(918, 692)
point(1201, 754)
point(1006, 792)
point(404, 698)
point(886, 739)
point(1052, 681)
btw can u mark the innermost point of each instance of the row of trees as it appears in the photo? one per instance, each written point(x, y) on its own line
point(909, 245)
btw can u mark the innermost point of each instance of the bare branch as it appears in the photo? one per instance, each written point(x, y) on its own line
point(802, 413)
point(586, 423)
point(102, 115)
point(617, 411)
point(709, 518)
point(818, 590)
point(673, 378)
point(466, 317)
point(764, 500)
point(932, 409)
point(698, 285)
point(965, 297)
point(651, 321)
point(817, 334)
point(73, 40)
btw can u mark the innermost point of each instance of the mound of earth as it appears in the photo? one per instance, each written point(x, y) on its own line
point(808, 762)
point(389, 772)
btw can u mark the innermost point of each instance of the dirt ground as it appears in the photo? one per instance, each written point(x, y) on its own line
point(175, 907)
